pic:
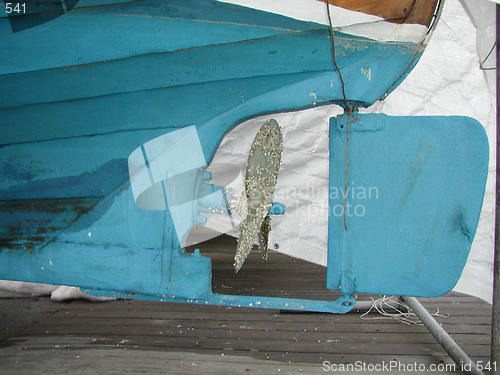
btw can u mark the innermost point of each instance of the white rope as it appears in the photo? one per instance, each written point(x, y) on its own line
point(391, 307)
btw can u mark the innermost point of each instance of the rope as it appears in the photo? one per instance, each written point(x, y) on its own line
point(346, 166)
point(348, 109)
point(393, 308)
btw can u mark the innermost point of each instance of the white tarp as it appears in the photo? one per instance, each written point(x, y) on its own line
point(347, 21)
point(448, 80)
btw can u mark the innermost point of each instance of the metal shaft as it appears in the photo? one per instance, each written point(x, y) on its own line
point(463, 361)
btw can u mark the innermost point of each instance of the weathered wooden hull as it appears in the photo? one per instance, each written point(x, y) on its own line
point(79, 94)
point(101, 81)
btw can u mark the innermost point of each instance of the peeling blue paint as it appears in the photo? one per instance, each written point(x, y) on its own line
point(459, 224)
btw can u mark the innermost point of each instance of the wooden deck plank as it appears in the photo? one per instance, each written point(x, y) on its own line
point(225, 332)
point(279, 327)
point(123, 361)
point(130, 336)
point(249, 317)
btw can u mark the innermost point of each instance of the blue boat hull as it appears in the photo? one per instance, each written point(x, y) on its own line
point(99, 82)
point(79, 94)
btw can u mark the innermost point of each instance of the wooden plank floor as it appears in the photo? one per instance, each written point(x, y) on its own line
point(143, 337)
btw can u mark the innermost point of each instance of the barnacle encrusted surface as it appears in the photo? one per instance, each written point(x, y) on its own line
point(262, 173)
point(265, 228)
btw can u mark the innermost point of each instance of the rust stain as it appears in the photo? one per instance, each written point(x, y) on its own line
point(396, 11)
point(30, 246)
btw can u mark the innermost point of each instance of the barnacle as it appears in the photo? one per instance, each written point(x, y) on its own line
point(263, 165)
